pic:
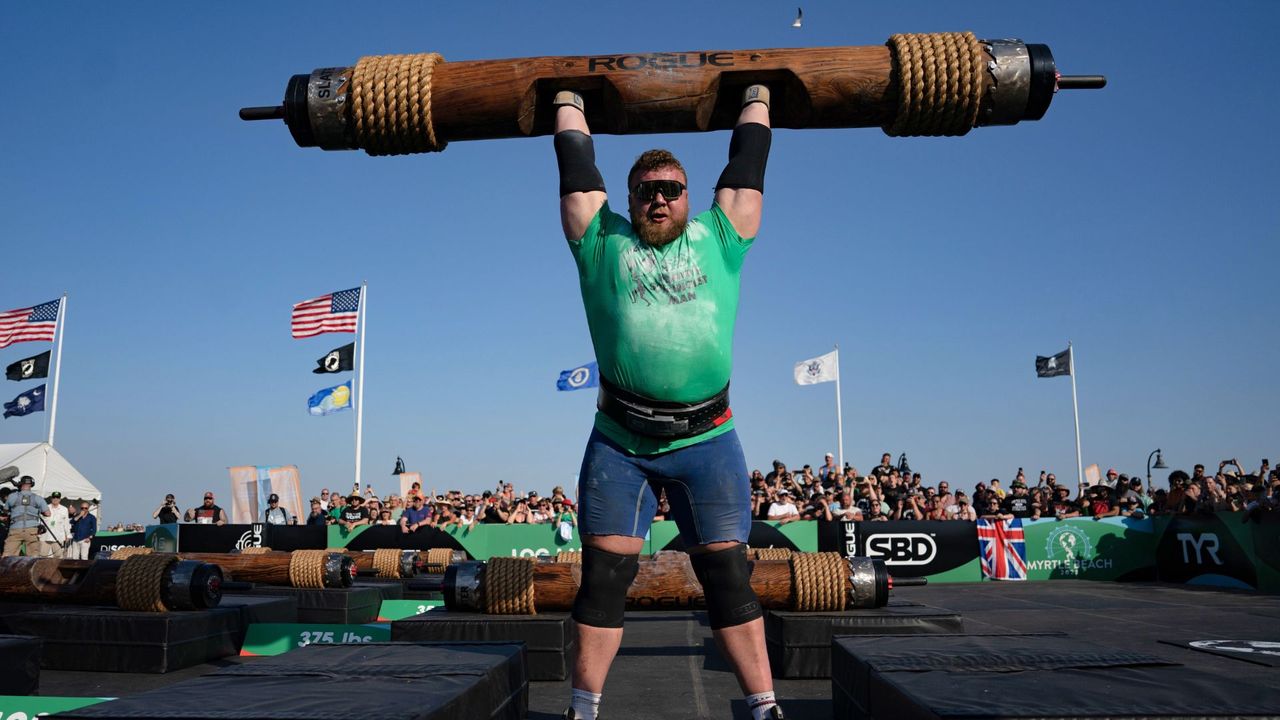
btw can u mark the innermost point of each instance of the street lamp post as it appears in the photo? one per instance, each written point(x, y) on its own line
point(1158, 466)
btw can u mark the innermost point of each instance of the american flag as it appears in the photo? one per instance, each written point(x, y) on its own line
point(32, 323)
point(335, 312)
point(1002, 549)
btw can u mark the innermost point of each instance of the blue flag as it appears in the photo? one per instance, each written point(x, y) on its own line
point(26, 403)
point(585, 376)
point(331, 400)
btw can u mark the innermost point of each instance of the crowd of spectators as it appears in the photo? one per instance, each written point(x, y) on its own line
point(446, 511)
point(888, 492)
point(894, 492)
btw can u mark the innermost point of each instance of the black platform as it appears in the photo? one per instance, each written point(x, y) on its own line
point(1012, 676)
point(337, 606)
point(390, 589)
point(669, 665)
point(399, 681)
point(799, 643)
point(19, 664)
point(548, 637)
point(101, 639)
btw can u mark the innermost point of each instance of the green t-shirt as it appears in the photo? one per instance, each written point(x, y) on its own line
point(661, 319)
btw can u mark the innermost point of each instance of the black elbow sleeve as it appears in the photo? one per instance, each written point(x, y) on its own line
point(748, 155)
point(576, 157)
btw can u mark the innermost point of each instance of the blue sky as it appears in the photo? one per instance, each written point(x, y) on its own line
point(1140, 222)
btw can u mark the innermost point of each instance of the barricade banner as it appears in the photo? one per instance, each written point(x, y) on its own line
point(942, 551)
point(109, 542)
point(295, 537)
point(1112, 548)
point(1207, 550)
point(1265, 528)
point(798, 536)
point(390, 536)
point(205, 538)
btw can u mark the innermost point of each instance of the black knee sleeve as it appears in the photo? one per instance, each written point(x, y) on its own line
point(576, 158)
point(726, 583)
point(748, 155)
point(602, 596)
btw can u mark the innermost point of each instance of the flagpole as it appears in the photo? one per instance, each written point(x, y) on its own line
point(57, 367)
point(839, 419)
point(360, 380)
point(1075, 407)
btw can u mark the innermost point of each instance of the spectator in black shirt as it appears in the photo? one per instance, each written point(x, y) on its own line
point(1063, 507)
point(886, 465)
point(1020, 504)
point(353, 514)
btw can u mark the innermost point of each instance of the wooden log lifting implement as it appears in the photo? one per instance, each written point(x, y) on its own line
point(411, 563)
point(182, 584)
point(922, 84)
point(666, 581)
point(330, 569)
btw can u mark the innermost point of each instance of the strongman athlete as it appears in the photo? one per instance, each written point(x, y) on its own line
point(661, 295)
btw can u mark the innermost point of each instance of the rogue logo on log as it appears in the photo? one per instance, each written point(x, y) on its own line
point(902, 548)
point(658, 61)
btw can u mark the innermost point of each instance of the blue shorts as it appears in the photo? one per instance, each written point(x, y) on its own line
point(707, 487)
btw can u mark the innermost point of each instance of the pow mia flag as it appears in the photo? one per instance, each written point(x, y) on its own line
point(337, 360)
point(29, 368)
point(1054, 365)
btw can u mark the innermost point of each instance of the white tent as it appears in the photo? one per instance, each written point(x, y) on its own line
point(50, 470)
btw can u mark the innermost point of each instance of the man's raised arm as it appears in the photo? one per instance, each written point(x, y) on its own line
point(581, 186)
point(740, 191)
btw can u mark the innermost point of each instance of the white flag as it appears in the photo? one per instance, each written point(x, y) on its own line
point(824, 368)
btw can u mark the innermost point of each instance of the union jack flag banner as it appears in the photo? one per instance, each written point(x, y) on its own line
point(1002, 548)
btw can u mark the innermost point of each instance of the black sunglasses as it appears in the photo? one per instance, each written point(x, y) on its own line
point(649, 189)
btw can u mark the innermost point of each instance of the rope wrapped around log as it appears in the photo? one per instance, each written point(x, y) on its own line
point(255, 550)
point(819, 580)
point(769, 553)
point(306, 568)
point(573, 557)
point(508, 586)
point(139, 584)
point(437, 560)
point(940, 79)
point(387, 562)
point(391, 104)
point(125, 553)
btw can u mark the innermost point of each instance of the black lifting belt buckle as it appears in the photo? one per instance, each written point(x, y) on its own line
point(655, 425)
point(662, 420)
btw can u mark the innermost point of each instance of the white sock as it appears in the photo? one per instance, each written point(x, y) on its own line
point(585, 704)
point(760, 704)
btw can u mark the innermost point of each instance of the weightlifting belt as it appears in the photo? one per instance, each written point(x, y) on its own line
point(661, 419)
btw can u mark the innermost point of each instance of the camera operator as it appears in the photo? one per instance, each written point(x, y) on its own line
point(25, 512)
point(168, 513)
point(83, 527)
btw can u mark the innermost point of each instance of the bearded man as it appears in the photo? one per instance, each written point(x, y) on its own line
point(661, 298)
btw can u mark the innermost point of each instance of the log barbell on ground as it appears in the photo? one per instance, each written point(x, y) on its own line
point(666, 581)
point(916, 84)
point(153, 583)
point(301, 568)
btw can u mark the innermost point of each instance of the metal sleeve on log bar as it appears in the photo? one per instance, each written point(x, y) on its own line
point(919, 84)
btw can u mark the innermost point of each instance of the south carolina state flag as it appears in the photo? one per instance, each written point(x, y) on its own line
point(1002, 549)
